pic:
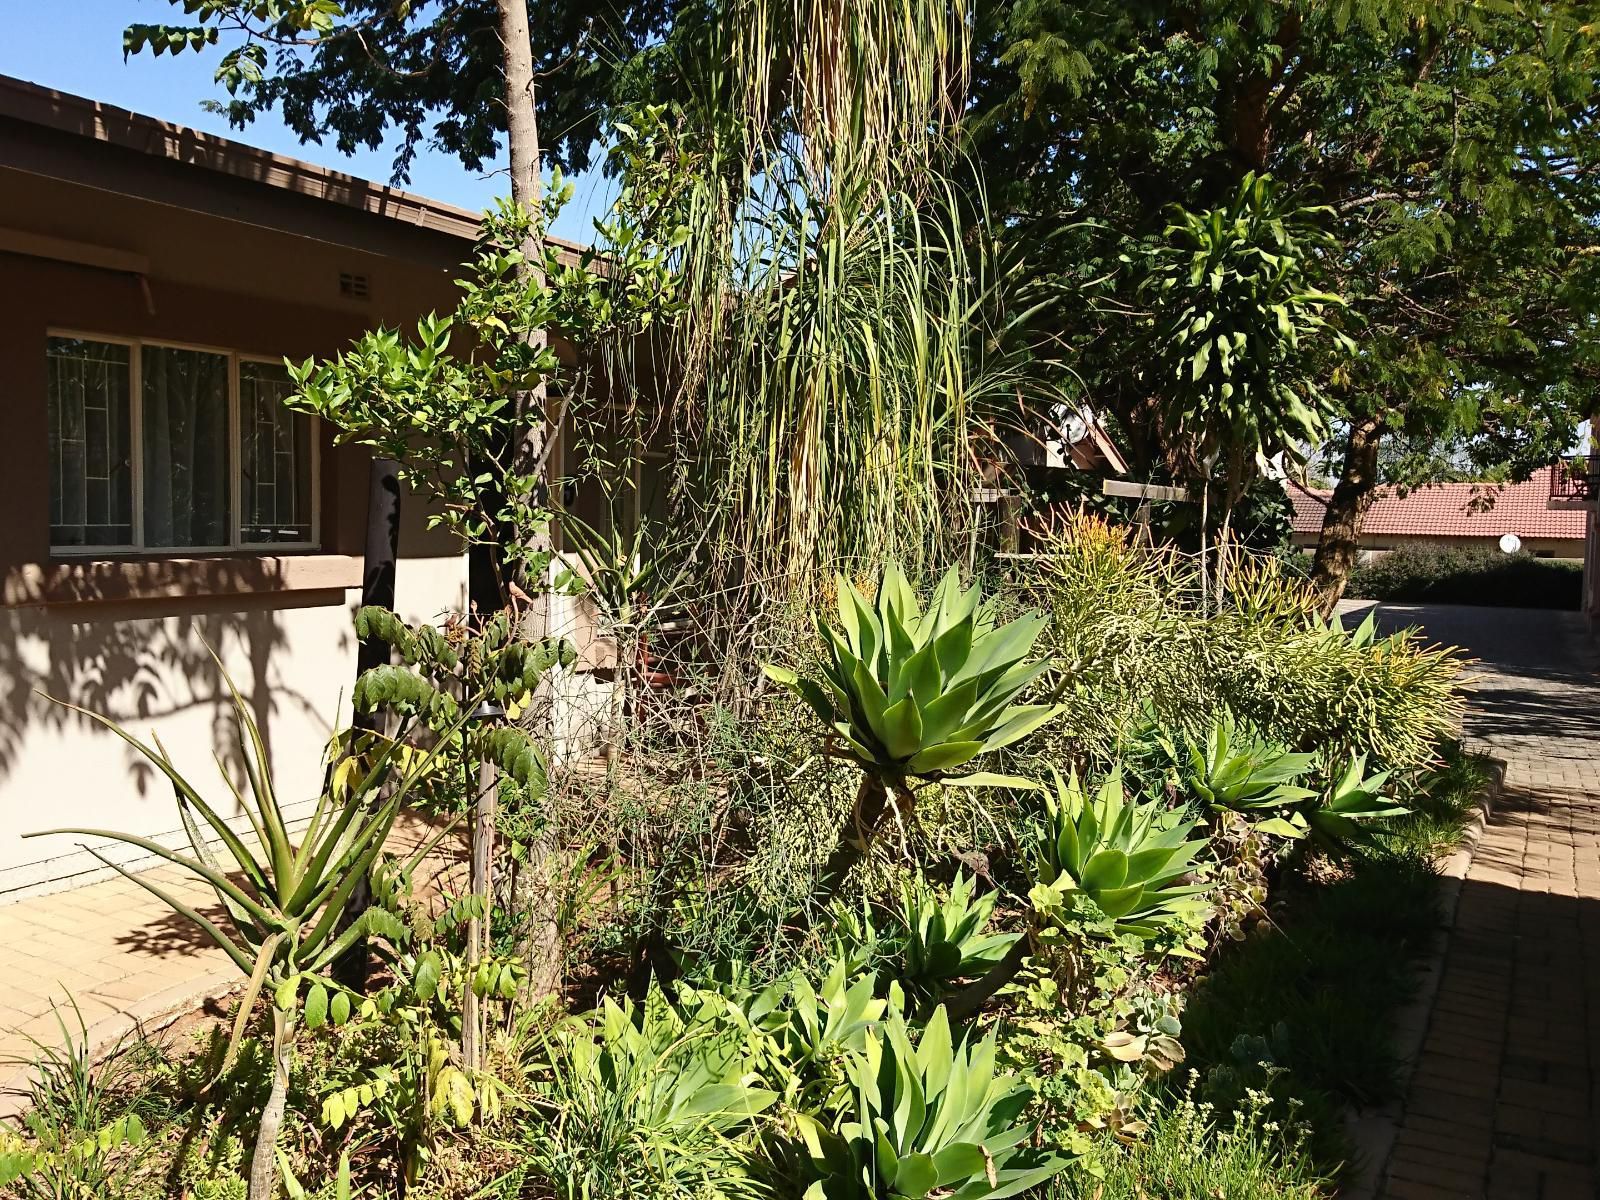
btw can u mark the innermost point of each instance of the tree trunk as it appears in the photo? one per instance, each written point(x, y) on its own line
point(542, 948)
point(264, 1159)
point(871, 806)
point(377, 588)
point(527, 189)
point(1340, 543)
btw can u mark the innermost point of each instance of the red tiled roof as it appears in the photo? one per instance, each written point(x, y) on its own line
point(1455, 510)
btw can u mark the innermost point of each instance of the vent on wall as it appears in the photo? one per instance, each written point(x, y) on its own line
point(352, 286)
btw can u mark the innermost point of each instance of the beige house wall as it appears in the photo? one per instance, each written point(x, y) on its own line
point(1568, 548)
point(128, 636)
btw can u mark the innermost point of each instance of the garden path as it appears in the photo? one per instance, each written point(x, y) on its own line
point(1504, 1101)
point(123, 958)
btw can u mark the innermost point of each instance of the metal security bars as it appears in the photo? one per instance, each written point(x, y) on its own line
point(162, 446)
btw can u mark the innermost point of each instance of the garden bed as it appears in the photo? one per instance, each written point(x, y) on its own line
point(1125, 911)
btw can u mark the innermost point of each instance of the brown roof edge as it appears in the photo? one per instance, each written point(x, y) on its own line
point(62, 111)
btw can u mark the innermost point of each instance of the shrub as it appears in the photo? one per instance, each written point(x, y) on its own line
point(1130, 641)
point(1191, 1153)
point(1417, 574)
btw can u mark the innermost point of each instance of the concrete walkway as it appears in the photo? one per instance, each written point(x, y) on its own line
point(1503, 1101)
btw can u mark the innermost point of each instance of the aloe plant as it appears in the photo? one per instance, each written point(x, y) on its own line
point(908, 694)
point(1240, 771)
point(1355, 799)
point(1129, 857)
point(285, 913)
point(925, 1119)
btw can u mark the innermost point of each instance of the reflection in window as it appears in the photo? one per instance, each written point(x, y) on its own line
point(91, 477)
point(185, 427)
point(274, 458)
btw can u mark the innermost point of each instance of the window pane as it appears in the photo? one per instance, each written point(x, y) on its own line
point(91, 476)
point(274, 457)
point(185, 422)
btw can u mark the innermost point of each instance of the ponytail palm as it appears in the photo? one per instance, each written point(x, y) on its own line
point(908, 694)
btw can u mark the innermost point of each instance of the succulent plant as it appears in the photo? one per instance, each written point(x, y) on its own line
point(1239, 770)
point(908, 694)
point(1355, 799)
point(926, 1119)
point(1129, 857)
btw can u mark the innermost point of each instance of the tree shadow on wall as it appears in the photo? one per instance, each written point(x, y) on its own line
point(141, 661)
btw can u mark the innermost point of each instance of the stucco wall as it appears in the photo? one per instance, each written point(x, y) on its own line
point(115, 645)
point(1570, 548)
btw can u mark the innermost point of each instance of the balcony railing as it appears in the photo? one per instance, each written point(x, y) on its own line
point(1575, 478)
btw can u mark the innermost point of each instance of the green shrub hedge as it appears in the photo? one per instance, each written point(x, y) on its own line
point(1461, 575)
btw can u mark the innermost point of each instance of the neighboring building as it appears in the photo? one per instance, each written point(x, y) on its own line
point(1475, 515)
point(158, 498)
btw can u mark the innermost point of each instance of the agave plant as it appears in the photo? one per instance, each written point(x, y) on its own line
point(925, 1119)
point(927, 941)
point(813, 1032)
point(945, 939)
point(908, 694)
point(1127, 857)
point(1239, 770)
point(285, 914)
point(1355, 799)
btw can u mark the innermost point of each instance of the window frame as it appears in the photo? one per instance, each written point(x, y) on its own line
point(236, 541)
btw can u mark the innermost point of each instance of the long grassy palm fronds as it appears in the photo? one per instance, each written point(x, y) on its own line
point(844, 345)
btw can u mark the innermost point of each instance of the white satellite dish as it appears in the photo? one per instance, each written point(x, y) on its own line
point(1076, 428)
point(1510, 543)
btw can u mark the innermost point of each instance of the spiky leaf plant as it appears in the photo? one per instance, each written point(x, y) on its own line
point(648, 1099)
point(948, 938)
point(285, 912)
point(1355, 799)
point(923, 1120)
point(812, 1033)
point(1239, 770)
point(908, 694)
point(1129, 857)
point(927, 940)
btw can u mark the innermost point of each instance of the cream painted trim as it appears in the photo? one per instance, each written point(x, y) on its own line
point(82, 581)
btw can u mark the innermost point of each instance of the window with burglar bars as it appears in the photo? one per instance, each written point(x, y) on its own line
point(156, 446)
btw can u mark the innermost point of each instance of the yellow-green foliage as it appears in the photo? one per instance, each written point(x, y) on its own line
point(1128, 628)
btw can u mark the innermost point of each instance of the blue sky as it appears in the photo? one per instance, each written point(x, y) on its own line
point(76, 46)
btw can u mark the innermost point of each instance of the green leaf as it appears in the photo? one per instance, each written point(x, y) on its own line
point(425, 979)
point(991, 780)
point(1107, 868)
point(284, 997)
point(316, 1010)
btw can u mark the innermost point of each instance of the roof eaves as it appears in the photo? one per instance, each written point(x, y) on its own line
point(106, 123)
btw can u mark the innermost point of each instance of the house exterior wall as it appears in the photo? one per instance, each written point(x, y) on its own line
point(1371, 544)
point(128, 635)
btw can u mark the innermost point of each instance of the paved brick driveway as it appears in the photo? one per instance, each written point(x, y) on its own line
point(1504, 1099)
point(126, 960)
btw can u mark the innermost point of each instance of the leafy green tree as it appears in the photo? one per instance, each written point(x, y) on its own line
point(1232, 341)
point(427, 72)
point(443, 402)
point(359, 67)
point(1452, 142)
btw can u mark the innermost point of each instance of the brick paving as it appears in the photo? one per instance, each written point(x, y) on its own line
point(1504, 1101)
point(123, 957)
